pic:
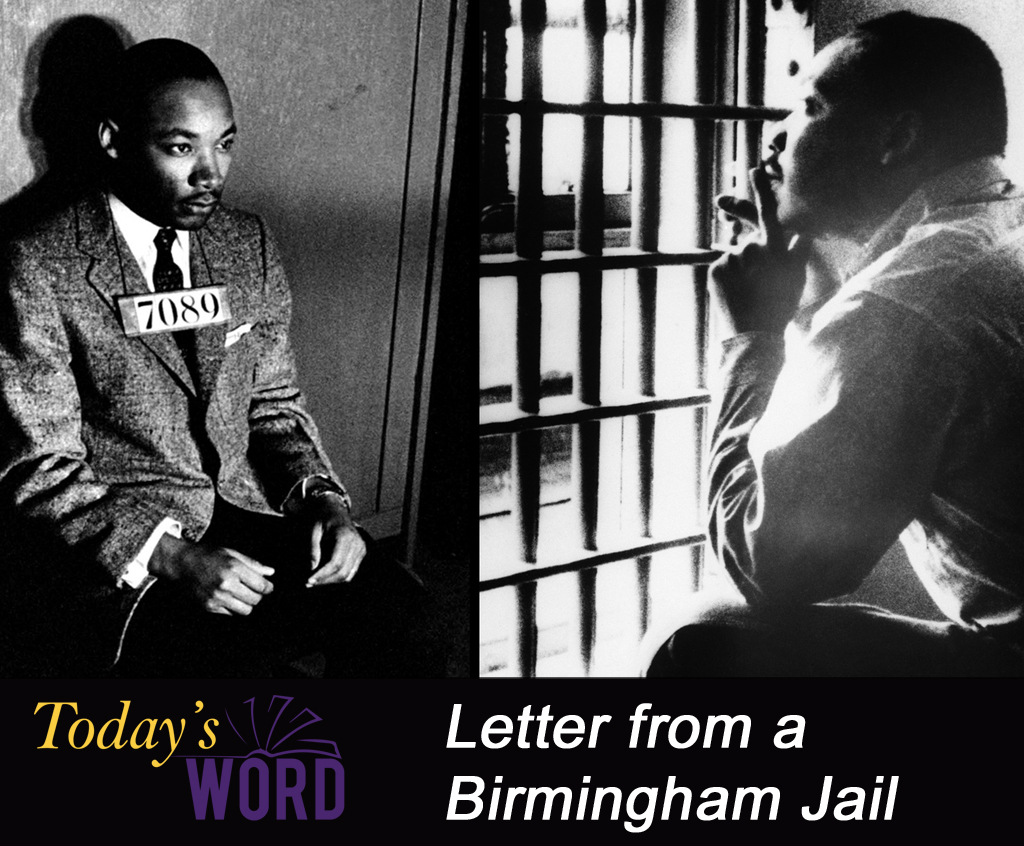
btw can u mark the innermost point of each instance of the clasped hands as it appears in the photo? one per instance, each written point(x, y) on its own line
point(757, 287)
point(224, 581)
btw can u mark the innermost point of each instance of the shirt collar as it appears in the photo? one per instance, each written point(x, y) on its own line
point(981, 179)
point(137, 231)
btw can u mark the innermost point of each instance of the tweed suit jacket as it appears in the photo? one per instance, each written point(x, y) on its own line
point(104, 435)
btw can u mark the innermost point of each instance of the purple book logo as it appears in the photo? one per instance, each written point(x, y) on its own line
point(272, 773)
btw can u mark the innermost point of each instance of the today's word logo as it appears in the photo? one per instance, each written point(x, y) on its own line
point(284, 771)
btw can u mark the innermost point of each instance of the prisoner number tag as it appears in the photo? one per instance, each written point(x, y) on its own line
point(171, 311)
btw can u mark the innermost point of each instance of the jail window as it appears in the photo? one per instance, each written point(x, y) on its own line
point(608, 127)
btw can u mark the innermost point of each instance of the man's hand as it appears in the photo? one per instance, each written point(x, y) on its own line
point(223, 580)
point(336, 549)
point(757, 288)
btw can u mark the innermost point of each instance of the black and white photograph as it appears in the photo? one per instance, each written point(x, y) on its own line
point(751, 326)
point(223, 259)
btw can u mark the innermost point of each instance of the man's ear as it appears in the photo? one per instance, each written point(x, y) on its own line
point(902, 139)
point(109, 137)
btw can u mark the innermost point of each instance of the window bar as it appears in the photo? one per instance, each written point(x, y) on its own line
point(750, 60)
point(495, 21)
point(526, 629)
point(727, 131)
point(587, 583)
point(529, 238)
point(529, 224)
point(647, 84)
point(590, 240)
point(643, 576)
point(710, 83)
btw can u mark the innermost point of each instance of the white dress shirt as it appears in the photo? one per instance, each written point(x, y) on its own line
point(139, 235)
point(897, 413)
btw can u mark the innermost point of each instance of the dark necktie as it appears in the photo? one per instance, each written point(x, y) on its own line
point(167, 277)
point(166, 274)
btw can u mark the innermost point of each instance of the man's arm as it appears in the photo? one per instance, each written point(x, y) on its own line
point(285, 447)
point(45, 476)
point(825, 450)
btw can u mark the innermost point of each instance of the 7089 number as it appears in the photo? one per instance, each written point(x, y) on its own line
point(144, 314)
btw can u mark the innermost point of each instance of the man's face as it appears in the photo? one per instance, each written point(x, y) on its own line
point(824, 155)
point(171, 162)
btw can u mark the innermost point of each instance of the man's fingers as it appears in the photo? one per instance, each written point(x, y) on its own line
point(343, 553)
point(262, 569)
point(251, 573)
point(738, 208)
point(767, 210)
point(224, 603)
point(315, 541)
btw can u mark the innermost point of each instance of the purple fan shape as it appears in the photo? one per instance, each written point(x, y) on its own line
point(281, 739)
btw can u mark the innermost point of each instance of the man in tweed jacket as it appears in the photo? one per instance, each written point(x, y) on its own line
point(117, 450)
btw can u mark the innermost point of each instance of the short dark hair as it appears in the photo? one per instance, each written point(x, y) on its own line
point(150, 65)
point(944, 71)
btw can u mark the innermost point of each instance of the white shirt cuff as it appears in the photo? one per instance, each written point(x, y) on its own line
point(136, 572)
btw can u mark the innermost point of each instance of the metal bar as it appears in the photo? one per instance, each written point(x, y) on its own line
point(588, 358)
point(495, 19)
point(706, 61)
point(534, 574)
point(641, 109)
point(529, 200)
point(587, 458)
point(696, 567)
point(590, 233)
point(590, 188)
point(587, 584)
point(727, 93)
point(526, 629)
point(647, 301)
point(750, 53)
point(648, 59)
point(526, 490)
point(643, 584)
point(645, 447)
point(647, 79)
point(526, 389)
point(511, 422)
point(750, 60)
point(572, 261)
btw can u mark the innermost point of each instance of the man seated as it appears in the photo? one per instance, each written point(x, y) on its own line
point(892, 408)
point(157, 463)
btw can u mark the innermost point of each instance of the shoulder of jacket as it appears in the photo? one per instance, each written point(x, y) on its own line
point(231, 220)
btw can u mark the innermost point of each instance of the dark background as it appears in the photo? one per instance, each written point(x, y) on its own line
point(955, 745)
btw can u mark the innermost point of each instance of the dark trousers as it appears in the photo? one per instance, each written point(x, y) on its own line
point(366, 628)
point(730, 639)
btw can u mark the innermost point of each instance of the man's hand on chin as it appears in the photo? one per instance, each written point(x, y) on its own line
point(757, 288)
point(336, 549)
